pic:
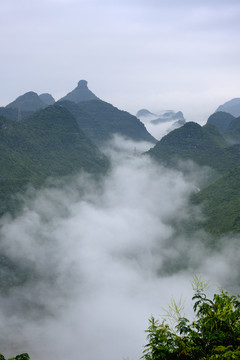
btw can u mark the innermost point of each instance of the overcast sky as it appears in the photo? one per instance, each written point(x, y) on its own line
point(154, 54)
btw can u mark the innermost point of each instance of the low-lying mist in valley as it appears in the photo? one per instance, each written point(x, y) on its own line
point(102, 255)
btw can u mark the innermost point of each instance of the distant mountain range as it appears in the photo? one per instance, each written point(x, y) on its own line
point(162, 123)
point(145, 113)
point(31, 101)
point(98, 119)
point(26, 104)
point(165, 116)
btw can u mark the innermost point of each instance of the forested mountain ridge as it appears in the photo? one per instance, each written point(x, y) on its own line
point(204, 145)
point(47, 143)
point(101, 120)
point(29, 101)
point(98, 119)
point(88, 123)
point(221, 205)
point(26, 104)
point(115, 121)
point(38, 141)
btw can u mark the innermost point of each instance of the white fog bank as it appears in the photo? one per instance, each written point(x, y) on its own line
point(104, 257)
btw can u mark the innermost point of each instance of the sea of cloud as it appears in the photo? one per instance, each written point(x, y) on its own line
point(103, 255)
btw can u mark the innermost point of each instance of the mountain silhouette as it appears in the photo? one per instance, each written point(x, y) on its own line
point(231, 107)
point(80, 93)
point(29, 101)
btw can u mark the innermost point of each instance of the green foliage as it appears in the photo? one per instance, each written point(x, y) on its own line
point(203, 145)
point(221, 204)
point(23, 356)
point(214, 334)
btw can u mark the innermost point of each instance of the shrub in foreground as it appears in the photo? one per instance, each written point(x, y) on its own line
point(213, 335)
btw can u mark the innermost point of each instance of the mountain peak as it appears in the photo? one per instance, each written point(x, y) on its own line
point(29, 101)
point(47, 98)
point(80, 93)
point(82, 84)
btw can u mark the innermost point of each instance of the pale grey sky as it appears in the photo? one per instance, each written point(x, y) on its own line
point(154, 54)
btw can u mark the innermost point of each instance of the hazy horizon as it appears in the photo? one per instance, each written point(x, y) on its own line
point(134, 54)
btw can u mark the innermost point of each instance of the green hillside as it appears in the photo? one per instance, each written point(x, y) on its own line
point(232, 133)
point(13, 113)
point(221, 204)
point(48, 143)
point(221, 120)
point(115, 121)
point(206, 146)
point(203, 145)
point(91, 126)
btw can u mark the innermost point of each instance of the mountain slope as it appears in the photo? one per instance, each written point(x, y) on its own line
point(14, 114)
point(60, 136)
point(203, 145)
point(232, 107)
point(91, 126)
point(48, 143)
point(29, 101)
point(232, 132)
point(115, 121)
point(221, 120)
point(207, 146)
point(221, 204)
point(101, 120)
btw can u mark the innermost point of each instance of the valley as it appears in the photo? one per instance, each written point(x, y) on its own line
point(101, 223)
